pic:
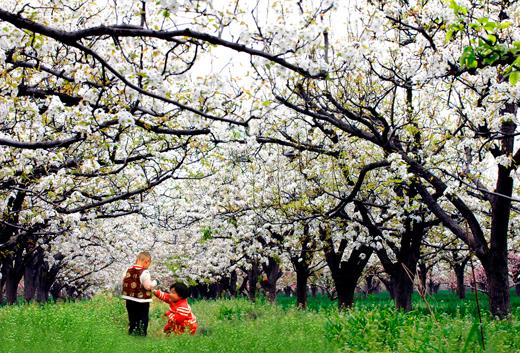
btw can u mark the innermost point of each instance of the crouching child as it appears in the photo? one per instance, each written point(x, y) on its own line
point(180, 317)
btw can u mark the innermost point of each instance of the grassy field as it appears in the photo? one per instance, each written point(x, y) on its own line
point(444, 324)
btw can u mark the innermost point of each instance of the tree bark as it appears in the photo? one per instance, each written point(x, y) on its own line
point(233, 284)
point(492, 254)
point(11, 258)
point(433, 287)
point(388, 285)
point(302, 278)
point(423, 272)
point(273, 273)
point(3, 271)
point(314, 290)
point(403, 286)
point(14, 276)
point(301, 264)
point(213, 290)
point(459, 274)
point(14, 272)
point(402, 273)
point(46, 276)
point(345, 290)
point(29, 279)
point(243, 287)
point(345, 274)
point(11, 288)
point(495, 268)
point(44, 285)
point(252, 278)
point(495, 262)
point(372, 284)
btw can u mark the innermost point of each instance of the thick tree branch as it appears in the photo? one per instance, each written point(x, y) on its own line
point(476, 242)
point(42, 144)
point(361, 178)
point(348, 128)
point(71, 38)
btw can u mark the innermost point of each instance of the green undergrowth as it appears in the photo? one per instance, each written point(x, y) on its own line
point(442, 324)
point(384, 329)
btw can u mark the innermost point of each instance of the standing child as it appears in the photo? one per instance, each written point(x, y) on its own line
point(180, 316)
point(137, 286)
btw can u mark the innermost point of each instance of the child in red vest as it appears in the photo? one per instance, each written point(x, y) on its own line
point(180, 316)
point(137, 291)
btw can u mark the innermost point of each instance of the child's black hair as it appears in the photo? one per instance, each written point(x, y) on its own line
point(181, 289)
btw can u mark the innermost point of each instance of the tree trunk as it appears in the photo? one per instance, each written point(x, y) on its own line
point(252, 278)
point(372, 284)
point(495, 265)
point(345, 274)
point(213, 290)
point(345, 290)
point(314, 290)
point(3, 279)
point(233, 284)
point(194, 292)
point(203, 288)
point(11, 257)
point(423, 272)
point(56, 290)
point(13, 279)
point(302, 278)
point(459, 274)
point(11, 289)
point(402, 286)
point(433, 287)
point(46, 277)
point(44, 285)
point(405, 269)
point(301, 264)
point(32, 269)
point(273, 273)
point(497, 285)
point(243, 287)
point(402, 273)
point(14, 270)
point(29, 283)
point(271, 293)
point(388, 285)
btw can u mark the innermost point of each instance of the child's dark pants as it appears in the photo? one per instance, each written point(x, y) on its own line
point(137, 317)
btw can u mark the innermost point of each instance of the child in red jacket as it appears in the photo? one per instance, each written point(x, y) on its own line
point(180, 316)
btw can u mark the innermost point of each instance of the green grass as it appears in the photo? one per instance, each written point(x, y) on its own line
point(99, 325)
point(373, 325)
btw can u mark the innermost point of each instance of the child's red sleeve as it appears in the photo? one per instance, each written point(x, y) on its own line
point(162, 295)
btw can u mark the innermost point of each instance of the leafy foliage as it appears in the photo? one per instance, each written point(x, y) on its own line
point(486, 47)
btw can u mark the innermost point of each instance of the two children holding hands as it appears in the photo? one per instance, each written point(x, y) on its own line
point(137, 291)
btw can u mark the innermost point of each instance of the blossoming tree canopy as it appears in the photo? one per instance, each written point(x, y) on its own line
point(401, 104)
